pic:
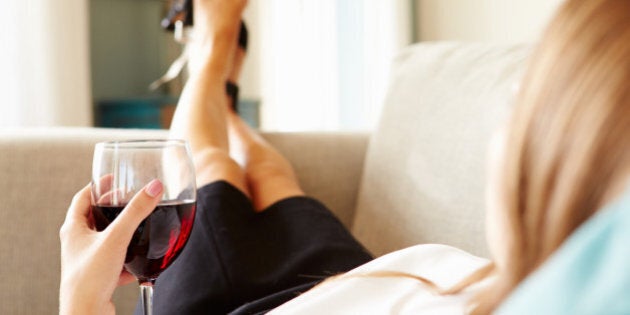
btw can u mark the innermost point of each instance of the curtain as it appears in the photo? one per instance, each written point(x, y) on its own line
point(44, 63)
point(324, 64)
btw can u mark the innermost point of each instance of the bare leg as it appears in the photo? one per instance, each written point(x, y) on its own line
point(202, 108)
point(270, 177)
point(203, 118)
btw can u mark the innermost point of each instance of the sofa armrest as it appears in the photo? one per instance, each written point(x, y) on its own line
point(328, 166)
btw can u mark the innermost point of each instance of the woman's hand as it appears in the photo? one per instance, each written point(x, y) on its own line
point(91, 261)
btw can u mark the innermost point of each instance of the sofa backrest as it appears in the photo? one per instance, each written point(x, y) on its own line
point(424, 173)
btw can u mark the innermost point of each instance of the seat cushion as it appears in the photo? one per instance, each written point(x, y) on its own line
point(424, 172)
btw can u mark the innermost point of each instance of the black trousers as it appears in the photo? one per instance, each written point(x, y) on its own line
point(238, 261)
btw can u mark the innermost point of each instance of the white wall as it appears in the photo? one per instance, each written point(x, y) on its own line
point(45, 75)
point(501, 21)
point(250, 77)
point(322, 64)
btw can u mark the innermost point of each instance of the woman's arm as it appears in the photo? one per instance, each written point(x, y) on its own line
point(91, 261)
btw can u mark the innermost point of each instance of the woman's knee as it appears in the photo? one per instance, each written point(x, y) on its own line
point(269, 170)
point(213, 165)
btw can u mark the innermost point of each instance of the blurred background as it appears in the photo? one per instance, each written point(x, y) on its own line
point(312, 64)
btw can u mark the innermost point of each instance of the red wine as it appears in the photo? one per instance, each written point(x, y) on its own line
point(157, 241)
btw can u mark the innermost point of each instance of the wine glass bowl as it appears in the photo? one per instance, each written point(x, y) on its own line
point(120, 170)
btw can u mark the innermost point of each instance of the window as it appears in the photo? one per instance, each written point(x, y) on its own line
point(324, 64)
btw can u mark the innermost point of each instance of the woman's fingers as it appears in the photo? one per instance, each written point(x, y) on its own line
point(80, 206)
point(140, 206)
point(111, 197)
point(78, 212)
point(125, 278)
point(104, 184)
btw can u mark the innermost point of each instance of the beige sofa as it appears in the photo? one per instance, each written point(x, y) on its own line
point(418, 178)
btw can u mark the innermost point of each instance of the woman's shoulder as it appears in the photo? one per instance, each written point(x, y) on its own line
point(358, 291)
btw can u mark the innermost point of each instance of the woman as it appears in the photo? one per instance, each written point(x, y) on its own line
point(565, 154)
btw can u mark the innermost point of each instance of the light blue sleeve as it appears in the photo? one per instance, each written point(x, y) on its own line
point(589, 274)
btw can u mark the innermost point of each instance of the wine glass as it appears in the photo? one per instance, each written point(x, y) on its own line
point(121, 169)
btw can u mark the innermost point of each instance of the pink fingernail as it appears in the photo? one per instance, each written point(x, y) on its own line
point(154, 188)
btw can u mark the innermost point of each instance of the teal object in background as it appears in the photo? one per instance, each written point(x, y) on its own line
point(155, 112)
point(145, 113)
point(589, 274)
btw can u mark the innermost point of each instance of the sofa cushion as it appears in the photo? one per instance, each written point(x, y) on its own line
point(424, 170)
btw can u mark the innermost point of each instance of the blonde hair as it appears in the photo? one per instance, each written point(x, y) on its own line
point(569, 139)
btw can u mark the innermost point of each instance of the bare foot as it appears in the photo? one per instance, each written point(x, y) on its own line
point(215, 32)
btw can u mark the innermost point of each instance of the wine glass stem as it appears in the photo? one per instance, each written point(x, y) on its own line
point(146, 294)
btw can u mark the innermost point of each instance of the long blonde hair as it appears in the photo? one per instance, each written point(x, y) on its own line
point(569, 139)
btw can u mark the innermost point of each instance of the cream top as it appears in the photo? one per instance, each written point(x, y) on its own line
point(444, 265)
